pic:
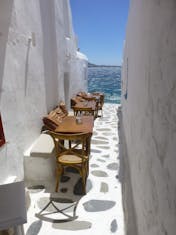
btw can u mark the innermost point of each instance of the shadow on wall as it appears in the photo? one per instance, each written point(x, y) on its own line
point(47, 12)
point(5, 18)
point(27, 64)
point(125, 178)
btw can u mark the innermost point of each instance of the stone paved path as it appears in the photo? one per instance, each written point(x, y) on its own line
point(100, 210)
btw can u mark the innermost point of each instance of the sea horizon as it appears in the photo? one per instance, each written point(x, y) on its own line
point(90, 65)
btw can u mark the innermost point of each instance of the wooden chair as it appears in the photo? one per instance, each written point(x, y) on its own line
point(100, 102)
point(75, 100)
point(86, 96)
point(83, 111)
point(55, 117)
point(52, 120)
point(71, 150)
point(49, 123)
point(62, 106)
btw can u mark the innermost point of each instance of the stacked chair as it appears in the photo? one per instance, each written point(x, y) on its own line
point(55, 117)
point(83, 97)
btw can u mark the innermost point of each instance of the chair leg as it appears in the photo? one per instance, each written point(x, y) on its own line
point(84, 184)
point(58, 174)
point(84, 172)
point(63, 171)
point(57, 184)
point(87, 169)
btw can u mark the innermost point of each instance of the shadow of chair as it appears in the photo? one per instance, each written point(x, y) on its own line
point(72, 150)
point(63, 216)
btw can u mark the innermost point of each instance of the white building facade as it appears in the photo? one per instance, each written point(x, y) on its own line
point(148, 125)
point(39, 63)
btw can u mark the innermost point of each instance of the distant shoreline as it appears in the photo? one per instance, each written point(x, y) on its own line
point(95, 65)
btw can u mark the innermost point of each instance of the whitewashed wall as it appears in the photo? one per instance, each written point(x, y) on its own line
point(148, 127)
point(79, 66)
point(33, 59)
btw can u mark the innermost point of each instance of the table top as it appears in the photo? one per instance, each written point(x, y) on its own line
point(90, 96)
point(86, 104)
point(69, 125)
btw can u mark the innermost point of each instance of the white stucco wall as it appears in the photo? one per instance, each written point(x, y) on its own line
point(79, 69)
point(33, 58)
point(148, 127)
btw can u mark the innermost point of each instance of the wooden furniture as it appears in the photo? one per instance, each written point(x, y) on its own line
point(63, 108)
point(55, 117)
point(74, 154)
point(75, 100)
point(87, 96)
point(69, 125)
point(100, 99)
point(85, 108)
point(96, 97)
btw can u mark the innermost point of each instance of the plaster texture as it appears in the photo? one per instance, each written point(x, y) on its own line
point(39, 64)
point(148, 126)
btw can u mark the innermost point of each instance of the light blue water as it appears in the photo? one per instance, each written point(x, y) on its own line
point(106, 80)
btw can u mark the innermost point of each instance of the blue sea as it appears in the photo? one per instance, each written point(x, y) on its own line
point(106, 80)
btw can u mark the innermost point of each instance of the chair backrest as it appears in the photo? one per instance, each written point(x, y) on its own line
point(74, 142)
point(54, 118)
point(62, 106)
point(82, 94)
point(102, 99)
point(75, 100)
point(50, 123)
point(85, 111)
point(86, 96)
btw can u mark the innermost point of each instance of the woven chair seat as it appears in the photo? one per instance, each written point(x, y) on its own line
point(71, 159)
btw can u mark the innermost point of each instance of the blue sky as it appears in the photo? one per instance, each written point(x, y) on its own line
point(100, 26)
